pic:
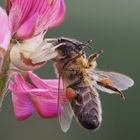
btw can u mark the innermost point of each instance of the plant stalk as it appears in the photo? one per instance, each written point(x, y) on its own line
point(4, 72)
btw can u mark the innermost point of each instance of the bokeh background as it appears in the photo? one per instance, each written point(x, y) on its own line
point(114, 25)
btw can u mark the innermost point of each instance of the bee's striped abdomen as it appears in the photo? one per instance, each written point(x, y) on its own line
point(87, 108)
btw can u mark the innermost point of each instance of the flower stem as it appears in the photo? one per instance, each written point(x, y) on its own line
point(4, 72)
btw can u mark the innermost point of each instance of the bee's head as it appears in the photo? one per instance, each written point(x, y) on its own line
point(71, 46)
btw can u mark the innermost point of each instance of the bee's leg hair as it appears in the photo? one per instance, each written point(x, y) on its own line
point(94, 56)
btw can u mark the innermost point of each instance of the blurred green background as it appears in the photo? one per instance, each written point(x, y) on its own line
point(114, 25)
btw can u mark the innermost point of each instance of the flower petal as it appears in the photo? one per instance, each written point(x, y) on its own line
point(20, 85)
point(5, 34)
point(22, 106)
point(18, 11)
point(50, 85)
point(38, 82)
point(27, 29)
point(14, 18)
point(43, 14)
point(35, 94)
point(57, 15)
point(45, 107)
point(57, 91)
point(7, 5)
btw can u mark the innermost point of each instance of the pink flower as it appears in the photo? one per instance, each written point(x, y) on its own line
point(23, 26)
point(32, 94)
point(24, 19)
point(25, 22)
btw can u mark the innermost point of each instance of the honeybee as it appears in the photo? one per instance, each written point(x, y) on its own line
point(81, 80)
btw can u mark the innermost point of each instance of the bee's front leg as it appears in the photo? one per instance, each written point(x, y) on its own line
point(51, 40)
point(92, 58)
point(60, 59)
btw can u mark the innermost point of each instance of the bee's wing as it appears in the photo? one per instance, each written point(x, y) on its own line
point(110, 81)
point(65, 118)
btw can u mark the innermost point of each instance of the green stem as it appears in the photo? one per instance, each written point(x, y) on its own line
point(4, 73)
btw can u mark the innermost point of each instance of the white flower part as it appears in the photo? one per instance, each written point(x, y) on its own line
point(46, 51)
point(32, 54)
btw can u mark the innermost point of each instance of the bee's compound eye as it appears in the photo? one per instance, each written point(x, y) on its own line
point(70, 93)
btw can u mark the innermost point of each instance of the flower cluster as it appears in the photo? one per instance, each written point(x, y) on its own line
point(23, 47)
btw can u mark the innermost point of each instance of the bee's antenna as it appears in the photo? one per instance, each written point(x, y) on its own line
point(87, 44)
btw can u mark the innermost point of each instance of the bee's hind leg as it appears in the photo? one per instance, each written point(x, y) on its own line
point(111, 87)
point(74, 85)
